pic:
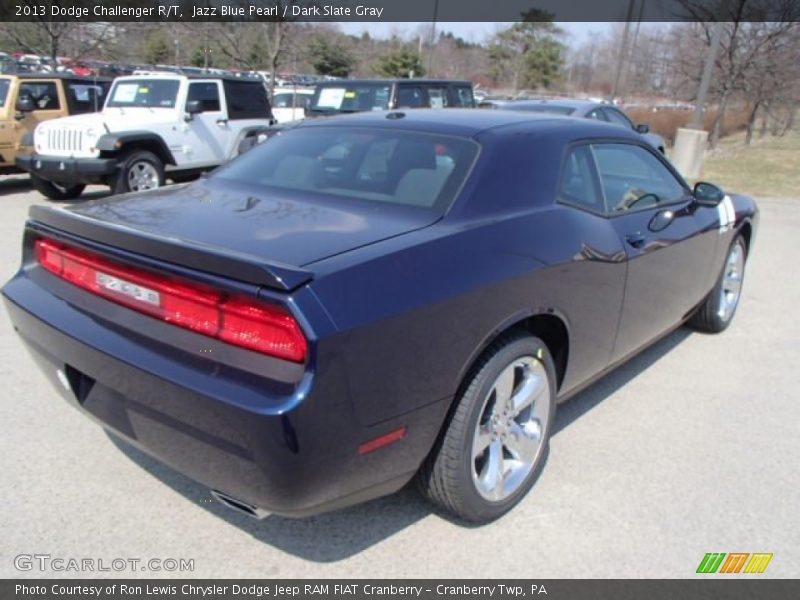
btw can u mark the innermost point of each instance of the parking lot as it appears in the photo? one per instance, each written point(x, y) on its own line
point(692, 447)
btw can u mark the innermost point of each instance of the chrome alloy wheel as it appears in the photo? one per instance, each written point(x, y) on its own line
point(731, 288)
point(142, 176)
point(509, 433)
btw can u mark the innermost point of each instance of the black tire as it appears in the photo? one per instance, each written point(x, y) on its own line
point(711, 317)
point(446, 477)
point(137, 161)
point(56, 191)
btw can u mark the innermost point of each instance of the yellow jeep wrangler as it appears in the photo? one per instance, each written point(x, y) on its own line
point(28, 99)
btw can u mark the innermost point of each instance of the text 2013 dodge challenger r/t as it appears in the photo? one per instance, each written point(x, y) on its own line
point(366, 299)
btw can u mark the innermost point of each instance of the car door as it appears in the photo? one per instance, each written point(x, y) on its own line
point(594, 279)
point(668, 255)
point(208, 133)
point(48, 100)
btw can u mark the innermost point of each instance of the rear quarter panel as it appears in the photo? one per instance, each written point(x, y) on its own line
point(413, 313)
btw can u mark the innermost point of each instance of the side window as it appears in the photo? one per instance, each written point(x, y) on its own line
point(462, 97)
point(207, 92)
point(282, 100)
point(43, 93)
point(578, 183)
point(409, 97)
point(596, 114)
point(246, 100)
point(618, 118)
point(84, 97)
point(437, 97)
point(634, 179)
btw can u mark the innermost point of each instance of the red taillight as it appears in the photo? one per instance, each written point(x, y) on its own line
point(237, 321)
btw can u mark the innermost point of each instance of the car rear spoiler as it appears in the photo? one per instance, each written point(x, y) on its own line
point(211, 259)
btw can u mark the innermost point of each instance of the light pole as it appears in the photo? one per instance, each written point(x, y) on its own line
point(433, 35)
point(690, 141)
point(705, 80)
point(623, 50)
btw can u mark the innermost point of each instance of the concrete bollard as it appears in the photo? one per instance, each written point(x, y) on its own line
point(687, 154)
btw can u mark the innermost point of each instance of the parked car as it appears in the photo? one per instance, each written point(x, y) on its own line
point(28, 100)
point(152, 127)
point(586, 109)
point(358, 95)
point(372, 297)
point(290, 104)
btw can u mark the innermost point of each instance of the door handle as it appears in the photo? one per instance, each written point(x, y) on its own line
point(222, 121)
point(635, 239)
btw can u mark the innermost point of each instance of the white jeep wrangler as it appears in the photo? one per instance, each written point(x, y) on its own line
point(152, 127)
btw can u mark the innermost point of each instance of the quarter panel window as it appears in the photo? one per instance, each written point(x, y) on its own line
point(596, 114)
point(578, 186)
point(634, 179)
point(618, 118)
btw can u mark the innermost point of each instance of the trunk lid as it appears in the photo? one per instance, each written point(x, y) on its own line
point(277, 234)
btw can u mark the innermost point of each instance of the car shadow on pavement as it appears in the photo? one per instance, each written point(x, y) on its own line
point(587, 399)
point(339, 535)
point(14, 185)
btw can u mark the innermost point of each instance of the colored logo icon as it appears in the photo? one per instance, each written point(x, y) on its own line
point(735, 562)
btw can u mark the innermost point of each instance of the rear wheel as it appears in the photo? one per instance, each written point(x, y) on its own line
point(495, 443)
point(716, 312)
point(56, 191)
point(139, 170)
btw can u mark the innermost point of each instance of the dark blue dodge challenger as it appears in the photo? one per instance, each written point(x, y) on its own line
point(368, 299)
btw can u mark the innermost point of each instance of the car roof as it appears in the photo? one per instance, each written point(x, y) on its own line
point(340, 82)
point(178, 75)
point(566, 102)
point(470, 122)
point(86, 78)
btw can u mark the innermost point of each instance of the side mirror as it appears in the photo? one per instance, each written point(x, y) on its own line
point(643, 128)
point(25, 104)
point(193, 107)
point(708, 194)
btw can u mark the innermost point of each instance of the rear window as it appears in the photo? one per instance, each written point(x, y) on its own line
point(351, 98)
point(372, 165)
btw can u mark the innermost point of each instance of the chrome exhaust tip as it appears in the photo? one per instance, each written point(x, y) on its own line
point(239, 505)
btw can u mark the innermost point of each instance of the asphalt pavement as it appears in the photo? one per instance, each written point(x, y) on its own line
point(691, 447)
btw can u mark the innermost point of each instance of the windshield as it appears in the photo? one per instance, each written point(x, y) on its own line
point(153, 93)
point(351, 97)
point(4, 85)
point(374, 165)
point(545, 108)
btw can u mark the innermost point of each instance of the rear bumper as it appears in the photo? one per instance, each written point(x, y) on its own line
point(66, 169)
point(291, 452)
